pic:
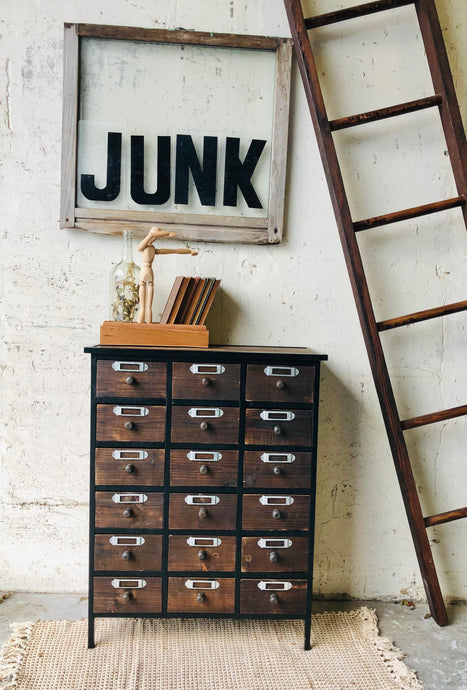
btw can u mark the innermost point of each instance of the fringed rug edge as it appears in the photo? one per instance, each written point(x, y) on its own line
point(392, 657)
point(12, 654)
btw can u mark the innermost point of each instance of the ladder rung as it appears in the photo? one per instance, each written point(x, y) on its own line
point(418, 316)
point(448, 516)
point(384, 113)
point(353, 12)
point(440, 416)
point(408, 213)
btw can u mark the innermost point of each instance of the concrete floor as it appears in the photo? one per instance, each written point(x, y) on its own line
point(438, 655)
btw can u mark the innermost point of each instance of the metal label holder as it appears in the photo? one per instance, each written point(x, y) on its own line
point(130, 366)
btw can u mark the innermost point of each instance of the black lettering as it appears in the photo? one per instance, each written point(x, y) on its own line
point(114, 160)
point(162, 193)
point(203, 177)
point(238, 174)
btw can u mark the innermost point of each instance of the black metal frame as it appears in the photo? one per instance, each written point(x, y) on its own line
point(293, 356)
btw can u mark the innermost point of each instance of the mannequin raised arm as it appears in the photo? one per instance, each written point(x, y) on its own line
point(146, 277)
point(154, 234)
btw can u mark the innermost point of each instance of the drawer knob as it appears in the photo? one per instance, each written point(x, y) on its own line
point(127, 555)
point(274, 557)
point(204, 469)
point(202, 555)
point(202, 513)
point(127, 596)
point(280, 384)
point(273, 598)
point(128, 513)
point(204, 425)
point(277, 470)
point(130, 380)
point(129, 469)
point(200, 597)
point(276, 514)
point(129, 426)
point(206, 381)
point(277, 430)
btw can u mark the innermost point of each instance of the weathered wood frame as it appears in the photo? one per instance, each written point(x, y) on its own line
point(210, 228)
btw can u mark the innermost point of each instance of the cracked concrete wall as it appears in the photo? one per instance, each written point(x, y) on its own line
point(54, 295)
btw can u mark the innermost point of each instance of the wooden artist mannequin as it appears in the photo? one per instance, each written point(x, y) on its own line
point(146, 276)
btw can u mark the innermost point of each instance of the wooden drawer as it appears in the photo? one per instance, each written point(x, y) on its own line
point(273, 596)
point(274, 554)
point(127, 595)
point(198, 424)
point(121, 423)
point(275, 512)
point(280, 383)
point(196, 595)
point(135, 510)
point(202, 511)
point(203, 467)
point(276, 469)
point(201, 553)
point(127, 552)
point(278, 427)
point(191, 380)
point(130, 466)
point(131, 379)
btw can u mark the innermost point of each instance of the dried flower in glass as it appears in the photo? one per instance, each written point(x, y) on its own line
point(124, 297)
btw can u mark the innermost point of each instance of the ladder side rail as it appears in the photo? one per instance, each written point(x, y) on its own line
point(365, 310)
point(443, 83)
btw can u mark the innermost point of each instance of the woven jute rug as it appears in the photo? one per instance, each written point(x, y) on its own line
point(206, 654)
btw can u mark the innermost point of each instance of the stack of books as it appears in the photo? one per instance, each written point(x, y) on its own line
point(190, 300)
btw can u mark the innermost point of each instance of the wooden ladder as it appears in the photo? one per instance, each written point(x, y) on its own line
point(444, 99)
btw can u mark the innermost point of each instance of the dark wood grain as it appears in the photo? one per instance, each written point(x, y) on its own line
point(408, 213)
point(254, 600)
point(205, 385)
point(354, 12)
point(433, 417)
point(133, 33)
point(447, 516)
point(129, 470)
point(277, 387)
point(220, 600)
point(258, 559)
point(147, 429)
point(384, 113)
point(146, 515)
point(457, 146)
point(257, 516)
point(203, 471)
point(276, 475)
point(131, 383)
point(186, 429)
point(443, 83)
point(417, 317)
point(261, 432)
point(219, 516)
point(107, 599)
point(126, 555)
point(201, 557)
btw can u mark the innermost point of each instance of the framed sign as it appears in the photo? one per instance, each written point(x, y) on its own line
point(180, 129)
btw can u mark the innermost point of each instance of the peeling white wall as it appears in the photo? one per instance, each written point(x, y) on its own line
point(54, 296)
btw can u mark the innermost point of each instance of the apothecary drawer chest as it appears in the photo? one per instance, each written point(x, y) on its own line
point(203, 467)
